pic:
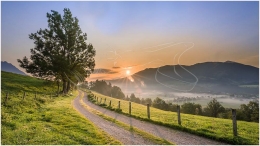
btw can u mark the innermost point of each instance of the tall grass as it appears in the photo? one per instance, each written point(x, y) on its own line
point(215, 128)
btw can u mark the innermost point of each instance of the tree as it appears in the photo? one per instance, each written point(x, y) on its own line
point(132, 97)
point(106, 88)
point(188, 108)
point(148, 101)
point(160, 104)
point(117, 92)
point(60, 51)
point(249, 112)
point(191, 108)
point(198, 109)
point(172, 107)
point(214, 108)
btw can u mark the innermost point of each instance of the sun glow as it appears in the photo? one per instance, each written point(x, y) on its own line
point(127, 72)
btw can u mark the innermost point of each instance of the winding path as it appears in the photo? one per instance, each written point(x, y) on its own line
point(124, 136)
point(175, 136)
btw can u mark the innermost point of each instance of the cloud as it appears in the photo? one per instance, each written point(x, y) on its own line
point(104, 71)
point(116, 67)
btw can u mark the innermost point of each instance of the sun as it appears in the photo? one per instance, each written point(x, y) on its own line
point(127, 72)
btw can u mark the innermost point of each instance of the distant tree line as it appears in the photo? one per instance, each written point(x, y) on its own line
point(247, 112)
point(105, 89)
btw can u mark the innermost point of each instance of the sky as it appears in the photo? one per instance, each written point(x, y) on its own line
point(131, 36)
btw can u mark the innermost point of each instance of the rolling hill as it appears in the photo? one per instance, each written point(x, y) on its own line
point(45, 119)
point(8, 67)
point(214, 77)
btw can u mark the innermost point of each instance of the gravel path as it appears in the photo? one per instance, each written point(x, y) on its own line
point(175, 136)
point(124, 136)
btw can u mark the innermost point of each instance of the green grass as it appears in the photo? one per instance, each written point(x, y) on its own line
point(215, 128)
point(43, 120)
point(127, 127)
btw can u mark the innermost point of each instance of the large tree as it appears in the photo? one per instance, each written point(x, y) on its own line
point(61, 51)
point(214, 108)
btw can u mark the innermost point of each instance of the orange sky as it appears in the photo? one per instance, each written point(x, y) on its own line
point(220, 31)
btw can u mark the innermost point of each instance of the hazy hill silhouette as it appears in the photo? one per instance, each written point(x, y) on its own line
point(212, 77)
point(8, 67)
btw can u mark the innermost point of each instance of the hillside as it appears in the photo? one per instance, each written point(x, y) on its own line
point(214, 128)
point(8, 67)
point(215, 77)
point(44, 119)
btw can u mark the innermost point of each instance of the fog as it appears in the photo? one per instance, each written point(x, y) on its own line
point(227, 100)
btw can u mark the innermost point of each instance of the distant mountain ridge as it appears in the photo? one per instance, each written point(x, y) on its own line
point(209, 72)
point(212, 76)
point(8, 67)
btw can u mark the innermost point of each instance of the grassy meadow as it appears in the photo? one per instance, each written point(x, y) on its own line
point(43, 120)
point(215, 128)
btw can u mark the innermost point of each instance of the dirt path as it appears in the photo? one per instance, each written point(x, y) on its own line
point(124, 136)
point(175, 136)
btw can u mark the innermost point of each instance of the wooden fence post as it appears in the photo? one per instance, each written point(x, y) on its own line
point(101, 100)
point(130, 108)
point(110, 103)
point(24, 94)
point(105, 101)
point(97, 99)
point(6, 98)
point(179, 114)
point(118, 104)
point(234, 120)
point(148, 111)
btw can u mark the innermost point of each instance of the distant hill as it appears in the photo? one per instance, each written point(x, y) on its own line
point(8, 67)
point(228, 73)
point(212, 77)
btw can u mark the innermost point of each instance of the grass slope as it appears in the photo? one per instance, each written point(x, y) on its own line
point(43, 120)
point(215, 128)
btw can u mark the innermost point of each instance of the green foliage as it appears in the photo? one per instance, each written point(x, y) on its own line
point(214, 108)
point(214, 128)
point(159, 103)
point(134, 99)
point(249, 112)
point(191, 108)
point(61, 51)
point(117, 93)
point(146, 101)
point(44, 120)
point(107, 89)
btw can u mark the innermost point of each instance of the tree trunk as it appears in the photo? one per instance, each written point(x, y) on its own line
point(64, 90)
point(58, 87)
point(68, 86)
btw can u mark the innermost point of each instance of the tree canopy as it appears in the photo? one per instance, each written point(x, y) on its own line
point(61, 51)
point(214, 108)
point(107, 89)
